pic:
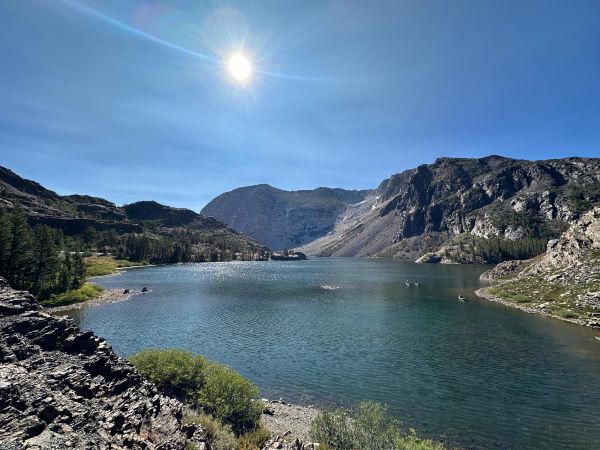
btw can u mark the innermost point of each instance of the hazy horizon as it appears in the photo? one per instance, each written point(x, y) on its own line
point(133, 101)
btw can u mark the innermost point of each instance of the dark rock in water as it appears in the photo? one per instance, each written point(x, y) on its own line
point(144, 289)
point(126, 291)
point(63, 388)
point(293, 256)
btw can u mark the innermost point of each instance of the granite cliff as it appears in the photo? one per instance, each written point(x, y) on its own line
point(424, 209)
point(281, 219)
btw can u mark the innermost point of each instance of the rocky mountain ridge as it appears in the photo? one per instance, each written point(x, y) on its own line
point(419, 210)
point(282, 219)
point(63, 388)
point(74, 214)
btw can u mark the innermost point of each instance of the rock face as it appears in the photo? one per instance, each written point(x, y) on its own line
point(563, 282)
point(419, 209)
point(282, 219)
point(61, 388)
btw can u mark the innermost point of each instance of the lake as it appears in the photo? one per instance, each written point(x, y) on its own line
point(341, 330)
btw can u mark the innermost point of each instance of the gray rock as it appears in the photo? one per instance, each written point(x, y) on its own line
point(63, 388)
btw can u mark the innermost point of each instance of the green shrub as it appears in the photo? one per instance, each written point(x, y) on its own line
point(218, 436)
point(82, 294)
point(368, 426)
point(230, 397)
point(254, 440)
point(176, 372)
point(209, 386)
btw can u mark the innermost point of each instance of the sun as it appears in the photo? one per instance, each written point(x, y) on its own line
point(239, 67)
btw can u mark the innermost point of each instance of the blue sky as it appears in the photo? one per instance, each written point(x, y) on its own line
point(131, 100)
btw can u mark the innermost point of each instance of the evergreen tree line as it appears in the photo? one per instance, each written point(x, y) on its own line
point(179, 245)
point(494, 250)
point(35, 259)
point(45, 261)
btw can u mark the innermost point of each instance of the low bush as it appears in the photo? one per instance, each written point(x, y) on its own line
point(218, 436)
point(254, 440)
point(82, 294)
point(205, 385)
point(176, 372)
point(230, 397)
point(368, 426)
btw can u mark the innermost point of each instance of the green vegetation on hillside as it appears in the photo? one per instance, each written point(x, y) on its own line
point(584, 196)
point(368, 426)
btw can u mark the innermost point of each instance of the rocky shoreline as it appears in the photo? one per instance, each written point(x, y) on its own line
point(108, 296)
point(482, 293)
point(285, 419)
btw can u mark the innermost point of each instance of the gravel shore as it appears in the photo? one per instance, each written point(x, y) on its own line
point(108, 296)
point(293, 420)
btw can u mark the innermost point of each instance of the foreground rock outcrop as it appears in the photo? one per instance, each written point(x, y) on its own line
point(61, 388)
point(564, 282)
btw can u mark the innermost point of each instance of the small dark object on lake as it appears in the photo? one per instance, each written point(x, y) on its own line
point(126, 291)
point(144, 289)
point(288, 256)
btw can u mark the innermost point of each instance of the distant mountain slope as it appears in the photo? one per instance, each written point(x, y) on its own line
point(418, 210)
point(282, 219)
point(188, 235)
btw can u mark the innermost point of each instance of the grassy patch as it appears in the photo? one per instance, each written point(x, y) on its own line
point(550, 296)
point(83, 294)
point(106, 265)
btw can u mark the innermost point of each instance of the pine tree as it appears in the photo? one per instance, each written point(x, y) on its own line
point(19, 255)
point(78, 271)
point(46, 262)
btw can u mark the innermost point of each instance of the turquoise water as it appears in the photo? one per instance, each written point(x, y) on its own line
point(474, 374)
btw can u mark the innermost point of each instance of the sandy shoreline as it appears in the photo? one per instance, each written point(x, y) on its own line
point(108, 296)
point(483, 293)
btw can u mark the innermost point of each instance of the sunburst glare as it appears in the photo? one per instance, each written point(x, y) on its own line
point(239, 67)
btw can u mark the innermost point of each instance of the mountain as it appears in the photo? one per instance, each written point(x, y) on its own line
point(165, 232)
point(282, 219)
point(462, 206)
point(564, 282)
